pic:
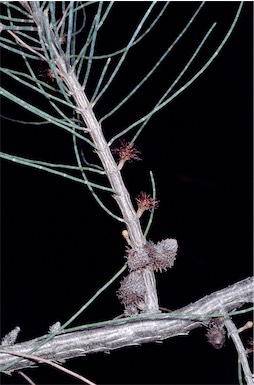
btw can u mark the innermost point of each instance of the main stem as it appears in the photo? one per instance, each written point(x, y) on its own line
point(122, 197)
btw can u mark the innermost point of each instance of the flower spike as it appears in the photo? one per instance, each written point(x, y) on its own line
point(126, 152)
point(145, 202)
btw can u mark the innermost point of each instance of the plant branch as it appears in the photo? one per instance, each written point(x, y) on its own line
point(114, 176)
point(119, 333)
point(25, 45)
point(234, 334)
point(51, 363)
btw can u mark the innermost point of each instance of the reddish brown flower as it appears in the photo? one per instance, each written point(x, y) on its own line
point(126, 152)
point(63, 39)
point(145, 202)
point(46, 73)
point(216, 333)
point(250, 346)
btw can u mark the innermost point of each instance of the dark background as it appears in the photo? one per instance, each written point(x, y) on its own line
point(58, 247)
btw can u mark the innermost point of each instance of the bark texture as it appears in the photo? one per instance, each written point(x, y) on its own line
point(124, 332)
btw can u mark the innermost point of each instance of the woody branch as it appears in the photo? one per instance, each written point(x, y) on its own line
point(135, 331)
point(122, 197)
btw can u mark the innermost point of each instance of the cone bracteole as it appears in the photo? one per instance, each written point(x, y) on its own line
point(159, 256)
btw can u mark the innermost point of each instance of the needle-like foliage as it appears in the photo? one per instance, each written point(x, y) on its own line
point(49, 31)
point(65, 43)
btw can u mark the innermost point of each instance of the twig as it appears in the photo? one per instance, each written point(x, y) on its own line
point(49, 362)
point(27, 378)
point(63, 17)
point(233, 333)
point(25, 45)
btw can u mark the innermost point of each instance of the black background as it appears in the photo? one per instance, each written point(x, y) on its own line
point(58, 247)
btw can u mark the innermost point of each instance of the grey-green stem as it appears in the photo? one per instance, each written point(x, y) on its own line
point(137, 239)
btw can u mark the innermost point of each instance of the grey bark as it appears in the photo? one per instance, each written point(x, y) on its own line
point(130, 218)
point(234, 334)
point(144, 328)
point(122, 197)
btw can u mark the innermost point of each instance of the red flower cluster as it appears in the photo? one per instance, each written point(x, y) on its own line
point(126, 152)
point(46, 73)
point(63, 39)
point(145, 202)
